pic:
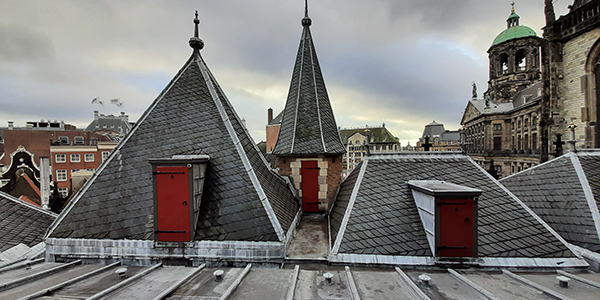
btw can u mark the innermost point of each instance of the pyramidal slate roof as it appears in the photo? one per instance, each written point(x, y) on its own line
point(565, 192)
point(243, 199)
point(308, 125)
point(375, 212)
point(21, 222)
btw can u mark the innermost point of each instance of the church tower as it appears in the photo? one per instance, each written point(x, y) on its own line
point(309, 148)
point(514, 60)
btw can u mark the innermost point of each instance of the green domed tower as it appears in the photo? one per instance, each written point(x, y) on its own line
point(514, 60)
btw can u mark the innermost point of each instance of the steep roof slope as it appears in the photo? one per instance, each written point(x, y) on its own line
point(380, 215)
point(21, 223)
point(243, 199)
point(563, 192)
point(308, 125)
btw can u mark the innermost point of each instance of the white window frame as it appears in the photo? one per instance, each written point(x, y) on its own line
point(91, 169)
point(61, 175)
point(92, 155)
point(105, 155)
point(77, 155)
point(74, 170)
point(63, 160)
point(64, 191)
point(78, 140)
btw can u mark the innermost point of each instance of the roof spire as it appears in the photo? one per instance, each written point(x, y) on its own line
point(195, 42)
point(512, 11)
point(306, 21)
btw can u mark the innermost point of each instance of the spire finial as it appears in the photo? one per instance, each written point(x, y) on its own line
point(512, 10)
point(306, 21)
point(195, 42)
point(306, 8)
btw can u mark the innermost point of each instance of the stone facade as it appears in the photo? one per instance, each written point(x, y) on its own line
point(330, 175)
point(571, 71)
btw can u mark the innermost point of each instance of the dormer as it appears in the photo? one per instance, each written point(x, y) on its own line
point(449, 216)
point(178, 183)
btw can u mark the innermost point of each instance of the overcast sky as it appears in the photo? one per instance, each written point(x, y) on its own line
point(401, 62)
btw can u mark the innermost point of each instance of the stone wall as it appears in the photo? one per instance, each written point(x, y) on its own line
point(575, 85)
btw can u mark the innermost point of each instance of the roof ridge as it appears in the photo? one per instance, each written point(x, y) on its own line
point(587, 191)
point(241, 152)
point(24, 203)
point(340, 234)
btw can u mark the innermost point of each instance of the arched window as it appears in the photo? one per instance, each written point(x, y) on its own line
point(504, 63)
point(520, 61)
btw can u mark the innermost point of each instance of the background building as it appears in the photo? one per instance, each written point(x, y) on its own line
point(378, 138)
point(502, 128)
point(436, 138)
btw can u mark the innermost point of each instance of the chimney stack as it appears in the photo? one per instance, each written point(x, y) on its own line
point(269, 115)
point(45, 181)
point(11, 125)
point(96, 114)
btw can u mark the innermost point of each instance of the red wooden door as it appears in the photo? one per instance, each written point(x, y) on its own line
point(456, 227)
point(310, 186)
point(172, 201)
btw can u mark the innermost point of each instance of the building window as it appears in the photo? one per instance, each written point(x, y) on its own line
point(78, 140)
point(74, 170)
point(61, 175)
point(61, 158)
point(521, 61)
point(89, 157)
point(91, 170)
point(497, 143)
point(75, 157)
point(105, 155)
point(497, 127)
point(64, 140)
point(498, 169)
point(534, 141)
point(63, 191)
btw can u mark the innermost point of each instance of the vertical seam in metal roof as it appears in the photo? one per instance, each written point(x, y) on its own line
point(342, 230)
point(253, 178)
point(312, 64)
point(587, 191)
point(103, 165)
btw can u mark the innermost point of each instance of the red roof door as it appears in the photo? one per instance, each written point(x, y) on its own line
point(310, 186)
point(456, 227)
point(173, 209)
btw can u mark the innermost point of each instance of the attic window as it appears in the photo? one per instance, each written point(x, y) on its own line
point(449, 216)
point(178, 186)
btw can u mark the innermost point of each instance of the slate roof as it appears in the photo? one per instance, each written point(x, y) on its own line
point(243, 199)
point(110, 122)
point(382, 217)
point(21, 223)
point(308, 124)
point(563, 192)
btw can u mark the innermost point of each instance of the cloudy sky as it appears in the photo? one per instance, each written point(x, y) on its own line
point(401, 62)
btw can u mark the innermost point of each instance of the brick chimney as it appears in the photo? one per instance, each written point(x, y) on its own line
point(269, 115)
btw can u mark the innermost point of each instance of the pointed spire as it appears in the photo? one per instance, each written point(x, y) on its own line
point(195, 42)
point(513, 7)
point(306, 21)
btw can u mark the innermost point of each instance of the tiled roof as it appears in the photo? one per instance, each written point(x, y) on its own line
point(382, 217)
point(243, 199)
point(376, 135)
point(21, 222)
point(560, 191)
point(308, 125)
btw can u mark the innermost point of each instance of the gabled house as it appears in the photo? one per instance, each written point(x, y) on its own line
point(202, 192)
